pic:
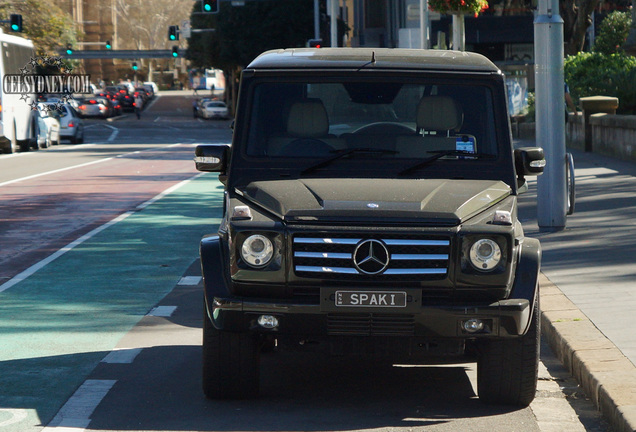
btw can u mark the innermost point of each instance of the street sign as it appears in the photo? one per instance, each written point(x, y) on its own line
point(186, 28)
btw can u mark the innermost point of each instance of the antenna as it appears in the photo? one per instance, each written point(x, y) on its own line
point(372, 56)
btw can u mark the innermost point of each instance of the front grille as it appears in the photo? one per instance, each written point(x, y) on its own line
point(363, 324)
point(410, 258)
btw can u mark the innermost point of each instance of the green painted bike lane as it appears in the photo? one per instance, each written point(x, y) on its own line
point(60, 322)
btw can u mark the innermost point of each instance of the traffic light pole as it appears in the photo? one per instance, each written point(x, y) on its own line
point(550, 115)
point(316, 20)
point(334, 22)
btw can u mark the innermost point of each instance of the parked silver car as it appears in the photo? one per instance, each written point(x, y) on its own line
point(214, 109)
point(71, 125)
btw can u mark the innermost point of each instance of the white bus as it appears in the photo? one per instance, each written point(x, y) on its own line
point(18, 122)
point(215, 81)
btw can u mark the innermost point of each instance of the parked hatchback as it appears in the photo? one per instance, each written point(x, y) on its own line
point(71, 125)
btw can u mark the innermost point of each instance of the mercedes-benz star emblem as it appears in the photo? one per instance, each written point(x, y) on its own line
point(371, 257)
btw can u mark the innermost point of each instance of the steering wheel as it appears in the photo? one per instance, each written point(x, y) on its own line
point(303, 147)
point(384, 128)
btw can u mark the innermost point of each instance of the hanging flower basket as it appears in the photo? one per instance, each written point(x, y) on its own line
point(462, 7)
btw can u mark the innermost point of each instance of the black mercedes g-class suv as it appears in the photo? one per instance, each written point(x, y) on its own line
point(371, 207)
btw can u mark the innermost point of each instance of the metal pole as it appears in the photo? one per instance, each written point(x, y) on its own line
point(334, 22)
point(550, 114)
point(316, 20)
point(424, 25)
point(459, 40)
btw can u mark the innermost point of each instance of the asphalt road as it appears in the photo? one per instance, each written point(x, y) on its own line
point(107, 335)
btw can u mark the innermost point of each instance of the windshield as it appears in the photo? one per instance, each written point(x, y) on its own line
point(398, 119)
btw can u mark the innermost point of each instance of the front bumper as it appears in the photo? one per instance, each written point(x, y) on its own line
point(506, 318)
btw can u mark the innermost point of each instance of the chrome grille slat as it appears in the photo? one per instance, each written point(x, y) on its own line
point(419, 257)
point(333, 255)
point(344, 241)
point(412, 257)
point(316, 269)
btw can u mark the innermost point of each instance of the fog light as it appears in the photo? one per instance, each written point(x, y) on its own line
point(268, 321)
point(473, 325)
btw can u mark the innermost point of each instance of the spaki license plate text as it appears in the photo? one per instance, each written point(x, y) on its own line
point(371, 298)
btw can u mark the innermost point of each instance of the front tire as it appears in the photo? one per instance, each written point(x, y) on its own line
point(230, 363)
point(507, 369)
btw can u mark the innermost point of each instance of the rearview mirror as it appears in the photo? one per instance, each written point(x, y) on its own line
point(211, 157)
point(529, 161)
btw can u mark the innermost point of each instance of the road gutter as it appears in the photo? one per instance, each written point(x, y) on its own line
point(604, 373)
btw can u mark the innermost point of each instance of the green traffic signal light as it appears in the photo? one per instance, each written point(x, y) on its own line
point(210, 6)
point(16, 22)
point(69, 49)
point(175, 51)
point(134, 66)
point(108, 45)
point(173, 33)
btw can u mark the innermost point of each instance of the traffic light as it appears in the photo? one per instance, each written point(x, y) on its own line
point(108, 45)
point(69, 49)
point(175, 51)
point(134, 66)
point(314, 43)
point(16, 22)
point(210, 6)
point(173, 33)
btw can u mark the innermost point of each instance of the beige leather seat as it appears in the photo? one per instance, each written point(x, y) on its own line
point(307, 132)
point(438, 119)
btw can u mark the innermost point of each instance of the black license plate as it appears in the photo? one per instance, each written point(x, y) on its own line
point(398, 301)
point(384, 299)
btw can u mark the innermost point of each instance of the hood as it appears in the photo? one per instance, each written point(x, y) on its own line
point(438, 201)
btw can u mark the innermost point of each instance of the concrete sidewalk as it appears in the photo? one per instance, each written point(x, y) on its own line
point(588, 285)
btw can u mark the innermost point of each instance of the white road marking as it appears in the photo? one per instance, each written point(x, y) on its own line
point(166, 192)
point(76, 413)
point(162, 311)
point(54, 171)
point(84, 164)
point(41, 264)
point(122, 356)
point(114, 134)
point(189, 280)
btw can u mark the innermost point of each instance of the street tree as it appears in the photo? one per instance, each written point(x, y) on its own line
point(241, 33)
point(577, 18)
point(44, 23)
point(143, 24)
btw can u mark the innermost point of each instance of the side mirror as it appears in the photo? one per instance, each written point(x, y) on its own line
point(529, 161)
point(211, 157)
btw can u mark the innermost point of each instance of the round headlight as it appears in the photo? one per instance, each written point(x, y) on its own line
point(257, 250)
point(485, 254)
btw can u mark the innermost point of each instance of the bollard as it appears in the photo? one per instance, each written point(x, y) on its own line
point(593, 105)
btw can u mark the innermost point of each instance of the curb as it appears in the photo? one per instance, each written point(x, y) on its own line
point(604, 373)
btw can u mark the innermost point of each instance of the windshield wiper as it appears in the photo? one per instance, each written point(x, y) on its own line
point(342, 153)
point(440, 154)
